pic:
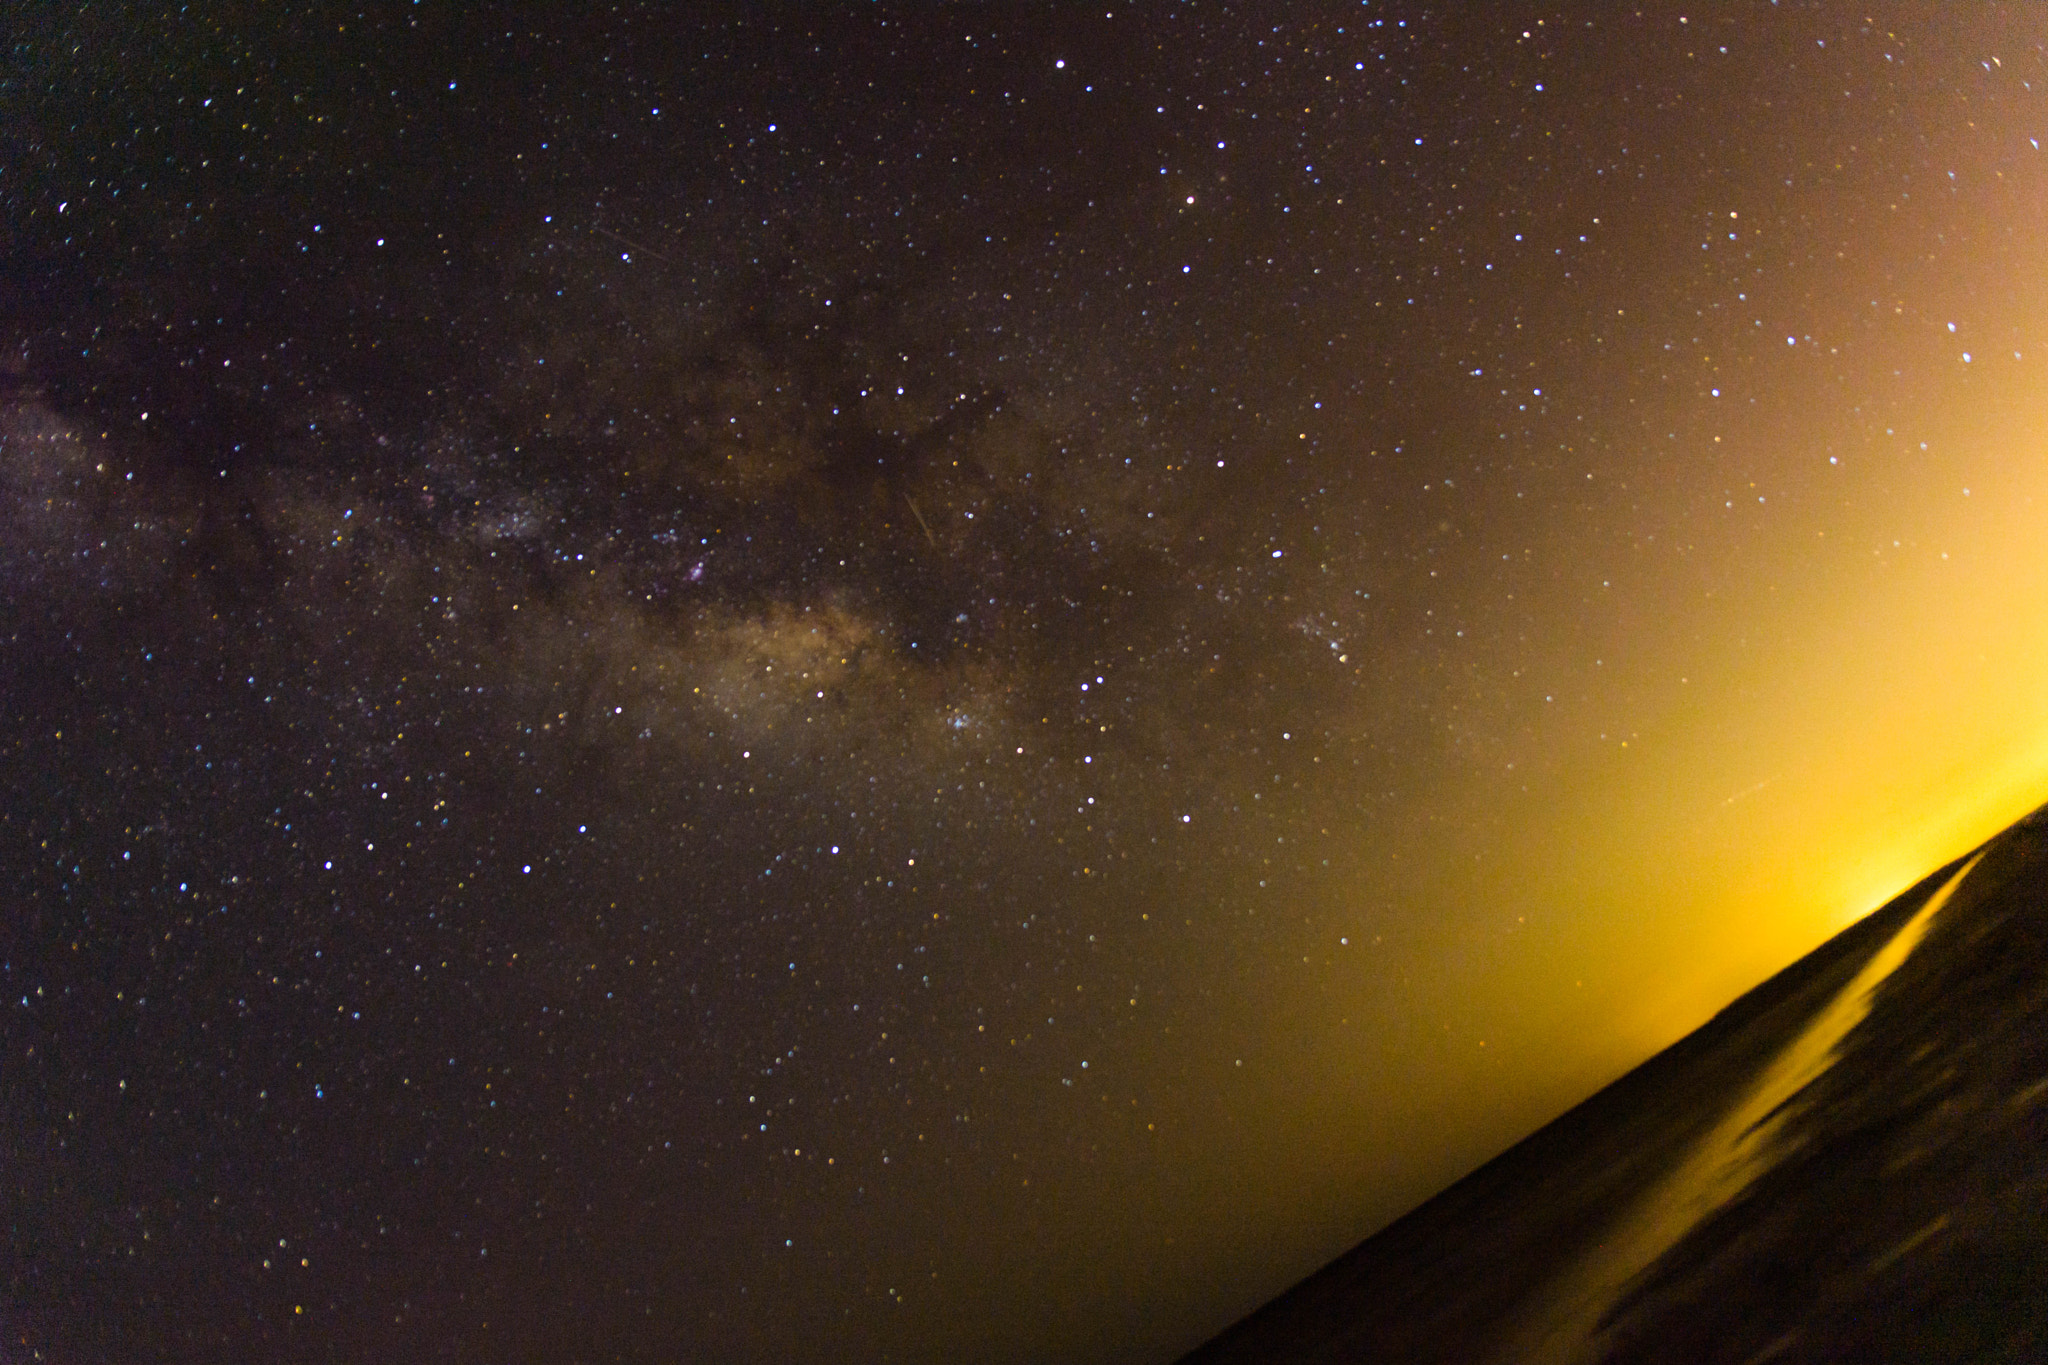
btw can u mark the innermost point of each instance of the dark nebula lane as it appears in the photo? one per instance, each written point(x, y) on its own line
point(933, 682)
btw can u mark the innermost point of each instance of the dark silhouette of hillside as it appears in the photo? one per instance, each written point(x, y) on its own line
point(1900, 1212)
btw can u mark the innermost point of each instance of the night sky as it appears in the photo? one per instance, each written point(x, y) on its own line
point(952, 682)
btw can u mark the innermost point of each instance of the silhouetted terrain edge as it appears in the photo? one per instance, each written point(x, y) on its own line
point(1904, 1218)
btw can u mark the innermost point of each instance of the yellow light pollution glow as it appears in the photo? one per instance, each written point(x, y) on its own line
point(1783, 726)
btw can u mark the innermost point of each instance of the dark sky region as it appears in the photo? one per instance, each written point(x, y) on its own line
point(952, 682)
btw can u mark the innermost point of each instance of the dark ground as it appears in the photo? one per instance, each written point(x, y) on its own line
point(1904, 1219)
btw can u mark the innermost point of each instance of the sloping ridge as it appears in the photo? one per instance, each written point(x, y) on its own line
point(1901, 1216)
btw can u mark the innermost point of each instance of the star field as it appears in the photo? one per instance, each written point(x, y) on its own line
point(952, 682)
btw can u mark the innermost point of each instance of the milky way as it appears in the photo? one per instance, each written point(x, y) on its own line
point(935, 683)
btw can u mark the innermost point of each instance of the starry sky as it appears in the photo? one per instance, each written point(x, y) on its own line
point(926, 682)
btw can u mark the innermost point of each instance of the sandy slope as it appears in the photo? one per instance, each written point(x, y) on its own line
point(1893, 1206)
